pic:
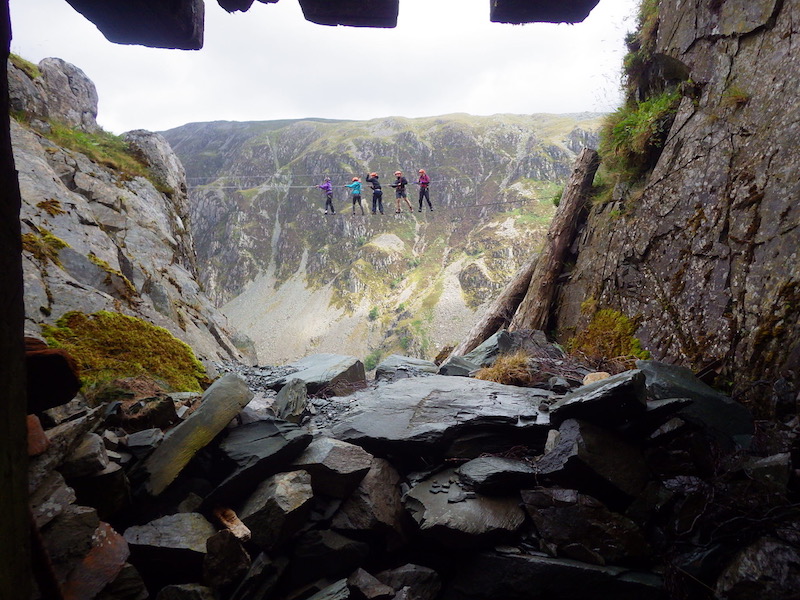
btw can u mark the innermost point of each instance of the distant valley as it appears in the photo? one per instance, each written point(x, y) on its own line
point(297, 281)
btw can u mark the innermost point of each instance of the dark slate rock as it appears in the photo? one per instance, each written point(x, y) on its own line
point(170, 550)
point(226, 561)
point(99, 567)
point(458, 366)
point(657, 414)
point(128, 585)
point(142, 443)
point(68, 537)
point(253, 452)
point(725, 419)
point(89, 457)
point(335, 591)
point(610, 402)
point(336, 467)
point(262, 578)
point(596, 462)
point(278, 508)
point(421, 582)
point(291, 403)
point(187, 591)
point(431, 414)
point(108, 491)
point(487, 352)
point(327, 374)
point(456, 518)
point(156, 413)
point(364, 586)
point(523, 577)
point(769, 568)
point(220, 403)
point(375, 509)
point(772, 472)
point(396, 366)
point(50, 499)
point(323, 553)
point(493, 476)
point(578, 526)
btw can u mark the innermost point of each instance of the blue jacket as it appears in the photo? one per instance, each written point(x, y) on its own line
point(355, 188)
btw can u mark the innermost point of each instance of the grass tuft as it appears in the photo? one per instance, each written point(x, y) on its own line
point(509, 369)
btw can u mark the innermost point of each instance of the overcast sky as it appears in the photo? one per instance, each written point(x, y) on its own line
point(269, 63)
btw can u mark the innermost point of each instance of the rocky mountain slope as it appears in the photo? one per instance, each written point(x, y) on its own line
point(96, 235)
point(703, 250)
point(298, 281)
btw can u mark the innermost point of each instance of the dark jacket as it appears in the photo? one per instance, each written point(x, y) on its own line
point(400, 183)
point(374, 181)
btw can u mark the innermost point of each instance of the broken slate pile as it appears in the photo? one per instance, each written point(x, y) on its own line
point(419, 485)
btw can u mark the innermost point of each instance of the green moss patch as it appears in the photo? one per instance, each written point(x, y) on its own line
point(44, 246)
point(608, 336)
point(110, 345)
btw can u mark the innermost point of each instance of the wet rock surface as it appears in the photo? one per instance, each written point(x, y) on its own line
point(425, 487)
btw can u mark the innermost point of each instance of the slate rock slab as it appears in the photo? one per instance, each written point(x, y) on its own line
point(397, 366)
point(609, 402)
point(336, 467)
point(458, 366)
point(375, 509)
point(724, 418)
point(171, 549)
point(278, 508)
point(427, 414)
point(291, 403)
point(487, 352)
point(254, 452)
point(523, 577)
point(493, 475)
point(99, 567)
point(422, 582)
point(594, 461)
point(767, 568)
point(578, 526)
point(324, 553)
point(457, 519)
point(327, 374)
point(219, 404)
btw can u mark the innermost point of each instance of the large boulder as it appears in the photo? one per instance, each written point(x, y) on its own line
point(375, 508)
point(445, 415)
point(336, 467)
point(577, 526)
point(723, 418)
point(595, 461)
point(170, 549)
point(220, 403)
point(609, 402)
point(457, 519)
point(768, 568)
point(278, 508)
point(252, 453)
point(71, 95)
point(327, 374)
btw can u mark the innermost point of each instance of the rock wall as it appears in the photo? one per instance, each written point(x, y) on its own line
point(97, 238)
point(707, 255)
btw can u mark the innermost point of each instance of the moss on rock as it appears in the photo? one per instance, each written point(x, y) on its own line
point(609, 335)
point(110, 345)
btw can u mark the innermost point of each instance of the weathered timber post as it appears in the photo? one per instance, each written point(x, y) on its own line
point(534, 311)
point(14, 524)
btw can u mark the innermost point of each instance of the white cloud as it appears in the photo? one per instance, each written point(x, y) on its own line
point(269, 63)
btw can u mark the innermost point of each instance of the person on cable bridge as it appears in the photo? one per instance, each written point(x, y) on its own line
point(355, 190)
point(399, 186)
point(377, 192)
point(424, 181)
point(327, 187)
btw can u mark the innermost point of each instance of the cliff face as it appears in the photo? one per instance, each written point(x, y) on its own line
point(298, 281)
point(706, 255)
point(96, 237)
